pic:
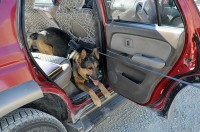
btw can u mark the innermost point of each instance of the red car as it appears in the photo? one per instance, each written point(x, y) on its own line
point(150, 49)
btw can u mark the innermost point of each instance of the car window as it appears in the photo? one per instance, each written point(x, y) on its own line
point(145, 11)
point(170, 14)
point(43, 4)
point(133, 10)
point(43, 1)
point(198, 4)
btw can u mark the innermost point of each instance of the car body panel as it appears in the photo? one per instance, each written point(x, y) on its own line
point(18, 96)
point(12, 59)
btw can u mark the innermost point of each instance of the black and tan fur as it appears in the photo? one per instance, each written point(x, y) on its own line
point(89, 71)
point(51, 41)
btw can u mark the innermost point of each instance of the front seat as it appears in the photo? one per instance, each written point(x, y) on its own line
point(36, 20)
point(76, 20)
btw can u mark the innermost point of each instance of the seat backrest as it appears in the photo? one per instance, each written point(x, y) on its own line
point(36, 20)
point(80, 22)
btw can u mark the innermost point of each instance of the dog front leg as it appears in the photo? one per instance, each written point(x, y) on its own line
point(104, 91)
point(92, 94)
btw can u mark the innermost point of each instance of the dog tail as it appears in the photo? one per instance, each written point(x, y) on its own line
point(34, 36)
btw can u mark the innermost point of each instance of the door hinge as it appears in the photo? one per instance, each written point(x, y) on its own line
point(197, 41)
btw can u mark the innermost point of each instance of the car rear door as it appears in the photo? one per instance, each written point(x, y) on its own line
point(145, 39)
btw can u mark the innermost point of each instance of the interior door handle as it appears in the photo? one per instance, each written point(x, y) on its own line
point(128, 43)
point(156, 63)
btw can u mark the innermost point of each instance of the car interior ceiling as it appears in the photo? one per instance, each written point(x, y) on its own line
point(56, 68)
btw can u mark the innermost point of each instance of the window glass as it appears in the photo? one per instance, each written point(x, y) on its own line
point(170, 15)
point(198, 4)
point(43, 1)
point(133, 10)
point(144, 11)
point(43, 4)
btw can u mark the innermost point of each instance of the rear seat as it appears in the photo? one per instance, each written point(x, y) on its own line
point(51, 66)
point(63, 78)
point(36, 20)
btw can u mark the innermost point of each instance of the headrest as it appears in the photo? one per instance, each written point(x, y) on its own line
point(71, 4)
point(29, 4)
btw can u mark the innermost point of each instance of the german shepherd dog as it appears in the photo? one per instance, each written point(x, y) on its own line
point(51, 41)
point(85, 68)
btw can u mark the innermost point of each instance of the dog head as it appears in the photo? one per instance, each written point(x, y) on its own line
point(88, 66)
point(32, 40)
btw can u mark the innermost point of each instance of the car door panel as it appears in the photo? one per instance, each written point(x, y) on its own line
point(134, 45)
point(148, 61)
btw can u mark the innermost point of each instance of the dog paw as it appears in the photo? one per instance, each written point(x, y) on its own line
point(97, 102)
point(95, 98)
point(107, 94)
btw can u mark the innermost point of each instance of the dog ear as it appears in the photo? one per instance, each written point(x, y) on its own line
point(83, 54)
point(81, 57)
point(95, 53)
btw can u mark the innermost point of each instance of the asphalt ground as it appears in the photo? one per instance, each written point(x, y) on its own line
point(184, 116)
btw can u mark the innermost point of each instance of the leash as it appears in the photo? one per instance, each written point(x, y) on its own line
point(154, 72)
point(75, 45)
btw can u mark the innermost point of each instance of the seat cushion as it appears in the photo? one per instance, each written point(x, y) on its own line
point(49, 68)
point(63, 78)
point(51, 58)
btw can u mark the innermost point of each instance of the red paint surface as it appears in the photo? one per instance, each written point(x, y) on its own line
point(14, 68)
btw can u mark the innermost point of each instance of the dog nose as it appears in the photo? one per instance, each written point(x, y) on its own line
point(100, 74)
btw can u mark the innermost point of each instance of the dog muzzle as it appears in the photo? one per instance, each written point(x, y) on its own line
point(95, 82)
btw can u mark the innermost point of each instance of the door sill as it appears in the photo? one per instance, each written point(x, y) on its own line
point(91, 115)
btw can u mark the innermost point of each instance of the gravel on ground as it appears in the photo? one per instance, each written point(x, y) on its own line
point(184, 116)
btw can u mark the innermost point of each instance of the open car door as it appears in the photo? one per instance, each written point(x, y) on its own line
point(145, 39)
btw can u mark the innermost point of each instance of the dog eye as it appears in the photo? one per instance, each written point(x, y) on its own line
point(90, 68)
